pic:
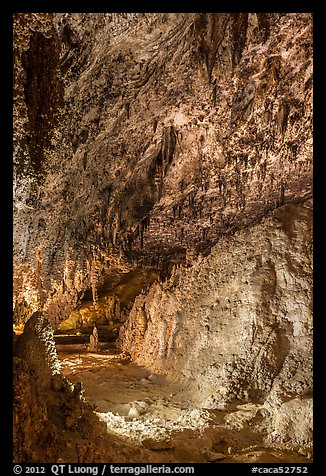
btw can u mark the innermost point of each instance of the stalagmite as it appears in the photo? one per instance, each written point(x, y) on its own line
point(163, 237)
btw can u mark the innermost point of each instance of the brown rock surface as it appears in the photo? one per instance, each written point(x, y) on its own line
point(52, 420)
point(163, 132)
point(163, 179)
point(238, 323)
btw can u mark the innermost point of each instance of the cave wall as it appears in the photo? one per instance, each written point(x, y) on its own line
point(181, 144)
point(52, 420)
point(141, 139)
point(237, 325)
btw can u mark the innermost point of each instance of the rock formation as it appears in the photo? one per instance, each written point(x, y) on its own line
point(237, 324)
point(46, 404)
point(52, 420)
point(163, 183)
point(94, 345)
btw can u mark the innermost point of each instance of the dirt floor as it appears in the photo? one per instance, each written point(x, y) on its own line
point(145, 409)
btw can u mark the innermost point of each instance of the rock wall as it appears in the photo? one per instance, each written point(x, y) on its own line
point(237, 325)
point(141, 139)
point(52, 420)
point(159, 145)
point(45, 403)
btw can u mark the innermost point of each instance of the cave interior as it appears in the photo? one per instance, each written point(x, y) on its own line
point(162, 237)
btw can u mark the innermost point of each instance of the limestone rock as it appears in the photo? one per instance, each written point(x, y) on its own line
point(94, 344)
point(36, 345)
point(211, 456)
point(133, 413)
point(165, 160)
point(240, 318)
point(159, 445)
point(46, 403)
point(208, 115)
point(292, 422)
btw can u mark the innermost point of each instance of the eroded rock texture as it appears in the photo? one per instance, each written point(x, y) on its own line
point(238, 323)
point(46, 404)
point(52, 420)
point(143, 138)
point(174, 148)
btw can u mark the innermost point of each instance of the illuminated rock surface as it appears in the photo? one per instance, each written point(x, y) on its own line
point(163, 187)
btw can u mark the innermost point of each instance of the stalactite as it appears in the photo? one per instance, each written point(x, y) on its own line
point(141, 231)
point(95, 271)
point(282, 117)
point(181, 235)
point(282, 194)
point(214, 91)
point(158, 204)
point(127, 107)
point(167, 147)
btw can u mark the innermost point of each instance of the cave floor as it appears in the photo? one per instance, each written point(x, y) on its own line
point(159, 416)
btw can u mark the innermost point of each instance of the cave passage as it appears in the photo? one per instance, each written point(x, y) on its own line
point(154, 411)
point(163, 237)
point(159, 414)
